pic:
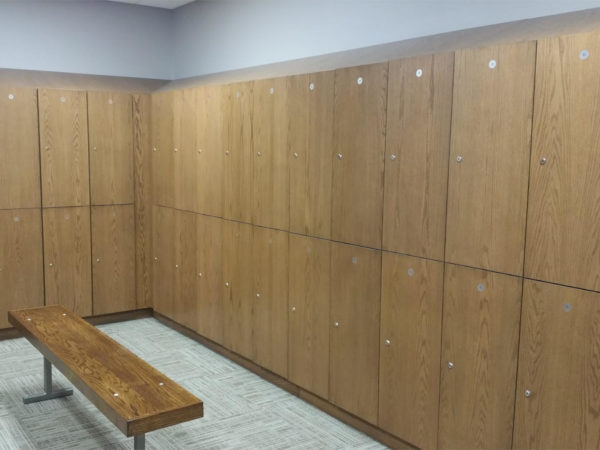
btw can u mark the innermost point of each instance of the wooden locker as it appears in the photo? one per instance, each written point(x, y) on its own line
point(308, 351)
point(163, 274)
point(209, 278)
point(310, 136)
point(110, 118)
point(68, 258)
point(21, 261)
point(563, 243)
point(185, 160)
point(64, 148)
point(557, 390)
point(184, 304)
point(239, 156)
point(211, 142)
point(416, 162)
point(270, 181)
point(489, 157)
point(19, 140)
point(354, 318)
point(113, 259)
point(163, 170)
point(270, 259)
point(237, 287)
point(411, 329)
point(480, 340)
point(359, 152)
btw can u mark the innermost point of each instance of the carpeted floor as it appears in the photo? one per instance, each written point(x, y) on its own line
point(242, 410)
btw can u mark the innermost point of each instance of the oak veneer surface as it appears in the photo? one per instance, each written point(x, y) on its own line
point(20, 168)
point(416, 161)
point(480, 337)
point(110, 118)
point(310, 137)
point(162, 149)
point(21, 261)
point(64, 148)
point(184, 152)
point(185, 308)
point(132, 394)
point(359, 137)
point(558, 363)
point(563, 243)
point(163, 260)
point(491, 132)
point(409, 371)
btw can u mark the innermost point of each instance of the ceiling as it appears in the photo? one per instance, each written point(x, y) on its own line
point(167, 4)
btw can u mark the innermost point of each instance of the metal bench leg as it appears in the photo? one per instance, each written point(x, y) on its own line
point(139, 442)
point(49, 393)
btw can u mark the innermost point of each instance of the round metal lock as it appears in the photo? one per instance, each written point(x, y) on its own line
point(450, 364)
point(393, 157)
point(419, 73)
point(110, 102)
point(47, 147)
point(459, 159)
point(11, 96)
point(567, 307)
point(388, 342)
point(543, 161)
point(527, 393)
point(584, 54)
point(336, 324)
point(199, 150)
point(295, 155)
point(480, 287)
point(359, 80)
point(271, 90)
point(257, 295)
point(238, 94)
point(199, 274)
point(227, 284)
point(16, 219)
point(492, 64)
point(97, 259)
point(175, 149)
point(339, 156)
point(94, 149)
point(311, 86)
point(293, 308)
point(156, 258)
point(51, 265)
point(153, 149)
point(259, 153)
point(411, 272)
point(227, 152)
point(63, 100)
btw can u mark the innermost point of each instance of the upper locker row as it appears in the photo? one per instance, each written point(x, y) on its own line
point(452, 134)
point(78, 166)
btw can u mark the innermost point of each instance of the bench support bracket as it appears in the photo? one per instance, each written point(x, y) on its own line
point(49, 393)
point(139, 442)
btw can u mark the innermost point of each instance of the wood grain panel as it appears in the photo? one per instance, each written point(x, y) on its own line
point(417, 147)
point(211, 141)
point(185, 176)
point(64, 148)
point(410, 348)
point(19, 140)
point(270, 181)
point(163, 274)
point(563, 243)
point(110, 118)
point(480, 338)
point(21, 261)
point(558, 363)
point(239, 156)
point(209, 277)
point(491, 135)
point(237, 288)
point(270, 259)
point(185, 307)
point(68, 259)
point(359, 152)
point(308, 351)
point(113, 259)
point(310, 137)
point(162, 149)
point(354, 344)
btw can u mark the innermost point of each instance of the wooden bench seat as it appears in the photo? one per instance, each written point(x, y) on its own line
point(132, 394)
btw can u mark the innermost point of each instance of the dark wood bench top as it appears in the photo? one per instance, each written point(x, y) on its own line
point(132, 394)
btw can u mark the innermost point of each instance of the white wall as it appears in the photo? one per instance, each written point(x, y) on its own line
point(89, 37)
point(218, 35)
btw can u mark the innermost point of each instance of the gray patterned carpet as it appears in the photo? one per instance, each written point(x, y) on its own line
point(241, 409)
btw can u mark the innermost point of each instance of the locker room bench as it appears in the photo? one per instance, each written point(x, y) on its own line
point(132, 394)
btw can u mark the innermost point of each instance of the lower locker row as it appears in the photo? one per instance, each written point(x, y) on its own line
point(426, 351)
point(81, 258)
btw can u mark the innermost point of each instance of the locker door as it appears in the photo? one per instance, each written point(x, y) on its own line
point(354, 318)
point(20, 168)
point(310, 103)
point(110, 117)
point(211, 142)
point(359, 152)
point(185, 305)
point(270, 259)
point(480, 341)
point(489, 157)
point(557, 391)
point(163, 243)
point(64, 148)
point(239, 157)
point(270, 181)
point(209, 278)
point(68, 259)
point(162, 149)
point(185, 161)
point(411, 329)
point(308, 358)
point(21, 262)
point(237, 287)
point(417, 147)
point(113, 259)
point(563, 244)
